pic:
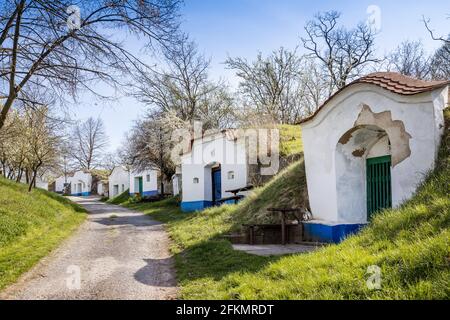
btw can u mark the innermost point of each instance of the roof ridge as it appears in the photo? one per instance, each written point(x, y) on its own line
point(391, 81)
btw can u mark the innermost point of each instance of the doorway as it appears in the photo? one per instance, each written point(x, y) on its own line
point(138, 185)
point(379, 190)
point(216, 185)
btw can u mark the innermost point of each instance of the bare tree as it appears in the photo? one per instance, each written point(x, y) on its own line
point(182, 86)
point(410, 59)
point(445, 40)
point(66, 163)
point(314, 86)
point(42, 141)
point(89, 141)
point(344, 53)
point(29, 145)
point(149, 144)
point(109, 161)
point(271, 85)
point(60, 47)
point(440, 63)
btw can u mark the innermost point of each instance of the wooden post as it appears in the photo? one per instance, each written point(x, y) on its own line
point(283, 228)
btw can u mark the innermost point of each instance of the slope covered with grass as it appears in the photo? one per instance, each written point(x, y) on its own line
point(410, 245)
point(31, 225)
point(121, 198)
point(290, 139)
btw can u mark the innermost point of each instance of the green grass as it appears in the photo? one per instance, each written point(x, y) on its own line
point(31, 225)
point(410, 244)
point(290, 140)
point(121, 198)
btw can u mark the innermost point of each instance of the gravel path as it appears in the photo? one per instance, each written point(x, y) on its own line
point(118, 254)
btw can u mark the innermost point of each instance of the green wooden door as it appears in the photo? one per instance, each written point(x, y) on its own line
point(141, 186)
point(379, 195)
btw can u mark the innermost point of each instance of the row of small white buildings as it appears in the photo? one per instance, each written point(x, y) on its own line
point(367, 147)
point(120, 180)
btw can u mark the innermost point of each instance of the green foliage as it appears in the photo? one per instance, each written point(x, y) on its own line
point(136, 198)
point(31, 225)
point(290, 140)
point(121, 198)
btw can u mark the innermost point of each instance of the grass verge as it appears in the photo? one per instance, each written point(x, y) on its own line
point(121, 198)
point(410, 245)
point(31, 225)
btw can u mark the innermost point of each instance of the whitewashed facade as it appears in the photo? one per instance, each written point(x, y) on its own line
point(103, 188)
point(369, 147)
point(119, 181)
point(80, 183)
point(144, 182)
point(216, 163)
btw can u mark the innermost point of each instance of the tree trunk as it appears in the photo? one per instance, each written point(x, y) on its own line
point(33, 181)
point(162, 185)
point(19, 175)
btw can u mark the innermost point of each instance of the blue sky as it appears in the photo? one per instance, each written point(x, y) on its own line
point(245, 27)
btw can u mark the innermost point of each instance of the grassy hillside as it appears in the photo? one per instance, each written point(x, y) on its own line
point(121, 198)
point(290, 140)
point(31, 225)
point(410, 244)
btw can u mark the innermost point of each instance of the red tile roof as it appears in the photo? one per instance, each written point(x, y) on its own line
point(392, 81)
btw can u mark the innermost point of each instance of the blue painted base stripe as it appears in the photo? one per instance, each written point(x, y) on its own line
point(81, 194)
point(189, 206)
point(147, 193)
point(331, 234)
point(150, 193)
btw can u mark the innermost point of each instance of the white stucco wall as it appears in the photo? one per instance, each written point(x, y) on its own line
point(100, 189)
point(422, 117)
point(175, 185)
point(41, 183)
point(216, 149)
point(59, 183)
point(119, 177)
point(151, 185)
point(80, 179)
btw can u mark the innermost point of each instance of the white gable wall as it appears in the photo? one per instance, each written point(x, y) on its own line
point(176, 184)
point(213, 150)
point(59, 183)
point(422, 117)
point(80, 183)
point(118, 181)
point(150, 188)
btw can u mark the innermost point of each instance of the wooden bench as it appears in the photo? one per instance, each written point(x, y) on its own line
point(264, 227)
point(243, 189)
point(283, 213)
point(233, 198)
point(236, 198)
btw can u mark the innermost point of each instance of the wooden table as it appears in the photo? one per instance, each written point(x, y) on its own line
point(283, 212)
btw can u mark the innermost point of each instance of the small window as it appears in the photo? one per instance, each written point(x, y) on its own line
point(196, 180)
point(230, 175)
point(123, 188)
point(148, 178)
